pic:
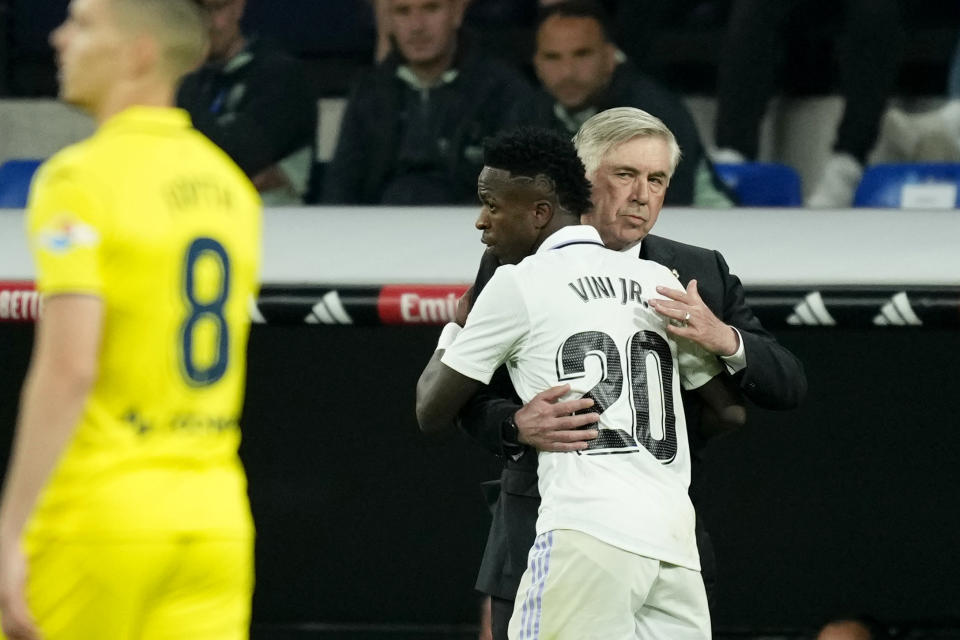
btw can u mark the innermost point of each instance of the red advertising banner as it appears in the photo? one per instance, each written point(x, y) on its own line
point(418, 303)
point(19, 302)
point(436, 304)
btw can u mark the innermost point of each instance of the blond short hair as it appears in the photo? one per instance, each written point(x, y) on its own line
point(613, 127)
point(180, 26)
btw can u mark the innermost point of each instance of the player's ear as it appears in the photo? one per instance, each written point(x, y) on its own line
point(144, 52)
point(542, 213)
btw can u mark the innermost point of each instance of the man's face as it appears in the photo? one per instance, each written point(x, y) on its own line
point(628, 190)
point(225, 16)
point(573, 61)
point(507, 215)
point(424, 30)
point(90, 49)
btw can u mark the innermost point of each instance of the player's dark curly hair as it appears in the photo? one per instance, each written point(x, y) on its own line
point(529, 151)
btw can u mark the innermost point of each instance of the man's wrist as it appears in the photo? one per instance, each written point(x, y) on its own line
point(736, 344)
point(737, 360)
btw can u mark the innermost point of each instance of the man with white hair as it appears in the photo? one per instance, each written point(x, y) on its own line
point(615, 553)
point(629, 178)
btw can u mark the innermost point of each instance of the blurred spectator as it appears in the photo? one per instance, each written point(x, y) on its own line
point(254, 102)
point(869, 55)
point(413, 127)
point(502, 13)
point(931, 136)
point(583, 73)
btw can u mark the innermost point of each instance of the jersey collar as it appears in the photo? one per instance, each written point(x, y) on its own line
point(140, 117)
point(573, 234)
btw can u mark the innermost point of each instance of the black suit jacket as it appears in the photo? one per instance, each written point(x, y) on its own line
point(773, 379)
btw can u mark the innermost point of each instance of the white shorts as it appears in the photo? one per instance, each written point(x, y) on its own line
point(577, 587)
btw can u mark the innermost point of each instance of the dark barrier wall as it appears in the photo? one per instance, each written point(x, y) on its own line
point(849, 504)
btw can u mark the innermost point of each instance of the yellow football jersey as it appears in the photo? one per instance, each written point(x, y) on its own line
point(159, 223)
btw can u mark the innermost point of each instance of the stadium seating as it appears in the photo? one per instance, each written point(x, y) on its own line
point(923, 185)
point(15, 176)
point(762, 184)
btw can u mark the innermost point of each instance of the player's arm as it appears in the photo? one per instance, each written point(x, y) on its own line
point(63, 369)
point(502, 424)
point(441, 393)
point(68, 228)
point(544, 423)
point(483, 416)
point(439, 385)
point(497, 327)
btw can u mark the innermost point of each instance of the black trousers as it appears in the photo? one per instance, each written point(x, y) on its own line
point(870, 49)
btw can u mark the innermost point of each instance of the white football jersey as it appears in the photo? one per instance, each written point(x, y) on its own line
point(576, 312)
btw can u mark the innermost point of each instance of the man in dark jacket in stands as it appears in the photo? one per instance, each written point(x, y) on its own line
point(255, 103)
point(583, 73)
point(413, 129)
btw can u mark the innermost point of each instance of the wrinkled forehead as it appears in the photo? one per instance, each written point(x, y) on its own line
point(642, 152)
point(571, 32)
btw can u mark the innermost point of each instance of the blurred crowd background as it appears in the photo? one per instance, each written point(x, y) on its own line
point(386, 102)
point(336, 101)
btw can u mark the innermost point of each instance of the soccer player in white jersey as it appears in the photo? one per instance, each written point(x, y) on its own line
point(615, 555)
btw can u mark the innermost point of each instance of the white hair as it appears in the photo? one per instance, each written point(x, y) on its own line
point(613, 127)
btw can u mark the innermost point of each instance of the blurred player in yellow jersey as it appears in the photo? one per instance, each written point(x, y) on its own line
point(124, 512)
